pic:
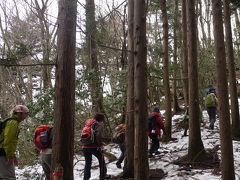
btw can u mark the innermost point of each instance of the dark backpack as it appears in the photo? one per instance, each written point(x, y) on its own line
point(89, 132)
point(43, 137)
point(152, 123)
point(3, 123)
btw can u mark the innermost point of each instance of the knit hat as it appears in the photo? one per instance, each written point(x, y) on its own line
point(156, 109)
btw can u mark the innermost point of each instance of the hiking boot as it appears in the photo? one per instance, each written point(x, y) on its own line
point(118, 165)
point(211, 126)
point(157, 152)
point(106, 177)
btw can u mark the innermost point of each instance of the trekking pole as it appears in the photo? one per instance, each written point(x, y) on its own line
point(58, 173)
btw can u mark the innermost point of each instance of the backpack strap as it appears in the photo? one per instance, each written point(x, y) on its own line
point(3, 124)
point(51, 137)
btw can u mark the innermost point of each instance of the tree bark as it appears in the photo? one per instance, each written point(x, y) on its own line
point(176, 107)
point(128, 171)
point(95, 79)
point(185, 54)
point(232, 73)
point(168, 113)
point(141, 168)
point(196, 148)
point(227, 165)
point(63, 146)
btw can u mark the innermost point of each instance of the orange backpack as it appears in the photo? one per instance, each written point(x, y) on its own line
point(43, 137)
point(119, 134)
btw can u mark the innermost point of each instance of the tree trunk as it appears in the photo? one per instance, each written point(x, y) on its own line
point(95, 80)
point(227, 165)
point(45, 43)
point(196, 148)
point(185, 54)
point(237, 22)
point(128, 171)
point(232, 73)
point(176, 107)
point(63, 147)
point(141, 167)
point(168, 113)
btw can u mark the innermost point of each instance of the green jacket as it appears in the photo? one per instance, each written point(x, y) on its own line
point(10, 137)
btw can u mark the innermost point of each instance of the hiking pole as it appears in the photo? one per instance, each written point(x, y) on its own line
point(58, 173)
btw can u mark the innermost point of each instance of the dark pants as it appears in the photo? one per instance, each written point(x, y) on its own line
point(46, 164)
point(122, 156)
point(155, 143)
point(212, 115)
point(97, 152)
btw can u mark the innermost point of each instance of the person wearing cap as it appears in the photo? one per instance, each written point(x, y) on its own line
point(155, 133)
point(96, 149)
point(8, 142)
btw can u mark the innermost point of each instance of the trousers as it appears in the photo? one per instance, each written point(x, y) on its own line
point(98, 153)
point(7, 172)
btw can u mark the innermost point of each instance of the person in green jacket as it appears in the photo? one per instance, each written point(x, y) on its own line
point(186, 120)
point(8, 142)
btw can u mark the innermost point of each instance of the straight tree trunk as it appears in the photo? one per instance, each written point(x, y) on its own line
point(141, 167)
point(168, 113)
point(232, 73)
point(227, 163)
point(95, 80)
point(63, 146)
point(128, 171)
point(45, 43)
point(196, 148)
point(176, 107)
point(237, 22)
point(185, 54)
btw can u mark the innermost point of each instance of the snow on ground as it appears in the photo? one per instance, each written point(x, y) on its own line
point(170, 152)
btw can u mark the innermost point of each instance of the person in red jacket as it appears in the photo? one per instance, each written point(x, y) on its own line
point(155, 124)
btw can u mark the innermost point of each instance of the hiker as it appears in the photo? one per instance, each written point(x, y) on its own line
point(8, 142)
point(95, 148)
point(186, 120)
point(119, 138)
point(155, 124)
point(211, 105)
point(43, 142)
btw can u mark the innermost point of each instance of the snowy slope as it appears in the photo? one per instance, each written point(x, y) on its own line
point(169, 152)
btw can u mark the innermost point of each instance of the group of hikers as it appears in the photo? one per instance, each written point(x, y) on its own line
point(91, 137)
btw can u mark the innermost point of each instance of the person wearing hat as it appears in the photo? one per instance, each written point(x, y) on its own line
point(154, 131)
point(8, 142)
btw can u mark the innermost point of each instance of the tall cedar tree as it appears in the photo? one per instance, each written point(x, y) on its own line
point(185, 53)
point(227, 165)
point(168, 114)
point(63, 147)
point(176, 107)
point(128, 170)
point(232, 73)
point(196, 148)
point(94, 82)
point(141, 166)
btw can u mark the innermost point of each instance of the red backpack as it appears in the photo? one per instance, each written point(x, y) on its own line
point(43, 137)
point(89, 131)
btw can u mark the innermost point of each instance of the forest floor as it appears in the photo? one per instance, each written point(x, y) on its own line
point(168, 165)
